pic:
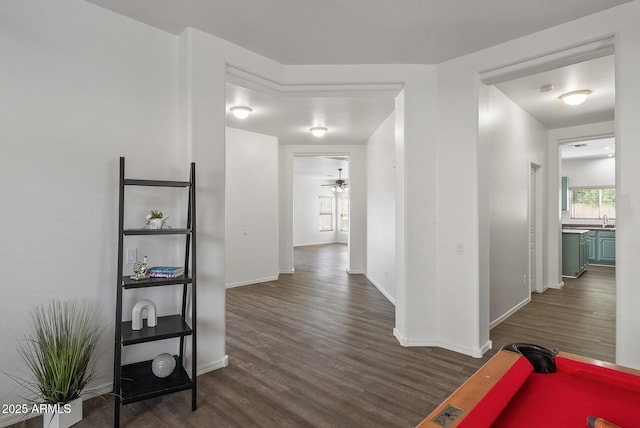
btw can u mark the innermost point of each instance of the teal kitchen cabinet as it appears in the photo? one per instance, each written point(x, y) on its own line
point(593, 247)
point(575, 252)
point(565, 193)
point(606, 247)
point(602, 247)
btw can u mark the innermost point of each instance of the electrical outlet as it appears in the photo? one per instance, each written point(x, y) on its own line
point(459, 249)
point(524, 279)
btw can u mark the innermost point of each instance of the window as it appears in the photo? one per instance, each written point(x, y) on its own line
point(343, 220)
point(326, 213)
point(593, 203)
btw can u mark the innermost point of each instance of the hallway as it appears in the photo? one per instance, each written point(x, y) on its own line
point(579, 318)
point(315, 349)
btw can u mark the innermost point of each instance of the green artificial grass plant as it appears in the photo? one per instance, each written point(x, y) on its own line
point(59, 350)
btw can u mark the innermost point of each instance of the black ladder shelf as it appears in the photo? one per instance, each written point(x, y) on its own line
point(136, 382)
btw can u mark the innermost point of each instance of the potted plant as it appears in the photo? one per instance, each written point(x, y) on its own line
point(60, 355)
point(155, 220)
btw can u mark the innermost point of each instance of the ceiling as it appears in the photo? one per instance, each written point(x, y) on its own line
point(349, 118)
point(596, 148)
point(359, 31)
point(596, 75)
point(321, 167)
point(378, 31)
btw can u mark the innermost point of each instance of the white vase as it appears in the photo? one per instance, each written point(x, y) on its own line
point(63, 415)
point(156, 223)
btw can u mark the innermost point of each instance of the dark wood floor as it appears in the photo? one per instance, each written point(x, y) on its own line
point(315, 349)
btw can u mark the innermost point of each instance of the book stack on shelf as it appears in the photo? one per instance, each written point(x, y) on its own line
point(169, 272)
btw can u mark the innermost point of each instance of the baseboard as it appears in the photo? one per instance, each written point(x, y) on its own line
point(355, 272)
point(214, 365)
point(472, 352)
point(288, 271)
point(381, 290)
point(557, 286)
point(251, 281)
point(510, 312)
point(544, 288)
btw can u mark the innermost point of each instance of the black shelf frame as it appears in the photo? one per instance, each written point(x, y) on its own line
point(139, 383)
point(131, 232)
point(136, 382)
point(168, 327)
point(128, 282)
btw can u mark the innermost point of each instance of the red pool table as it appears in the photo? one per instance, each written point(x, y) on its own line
point(508, 392)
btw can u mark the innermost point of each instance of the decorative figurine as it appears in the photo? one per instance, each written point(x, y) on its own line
point(163, 365)
point(136, 314)
point(140, 270)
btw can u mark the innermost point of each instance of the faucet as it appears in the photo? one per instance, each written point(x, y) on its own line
point(605, 220)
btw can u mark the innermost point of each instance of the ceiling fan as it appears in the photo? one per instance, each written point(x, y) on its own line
point(340, 184)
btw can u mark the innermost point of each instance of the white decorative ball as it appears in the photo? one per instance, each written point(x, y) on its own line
point(163, 365)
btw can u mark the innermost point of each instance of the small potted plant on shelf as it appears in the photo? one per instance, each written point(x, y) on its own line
point(155, 219)
point(59, 353)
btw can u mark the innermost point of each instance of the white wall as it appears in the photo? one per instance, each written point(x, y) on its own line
point(464, 317)
point(510, 140)
point(589, 172)
point(251, 232)
point(381, 209)
point(80, 87)
point(306, 191)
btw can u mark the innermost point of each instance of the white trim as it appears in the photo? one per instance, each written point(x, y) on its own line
point(247, 79)
point(288, 271)
point(549, 61)
point(507, 314)
point(251, 281)
point(214, 365)
point(319, 243)
point(381, 290)
point(473, 352)
point(556, 286)
point(355, 272)
point(544, 288)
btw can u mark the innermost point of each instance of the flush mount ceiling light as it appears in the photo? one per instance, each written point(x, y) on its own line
point(318, 131)
point(576, 97)
point(241, 112)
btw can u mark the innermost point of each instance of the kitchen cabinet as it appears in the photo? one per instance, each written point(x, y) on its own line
point(602, 247)
point(575, 252)
point(565, 193)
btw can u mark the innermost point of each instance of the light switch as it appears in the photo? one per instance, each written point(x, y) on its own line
point(132, 255)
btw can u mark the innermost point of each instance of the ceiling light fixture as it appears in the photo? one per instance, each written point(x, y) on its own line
point(318, 131)
point(241, 112)
point(576, 97)
point(340, 185)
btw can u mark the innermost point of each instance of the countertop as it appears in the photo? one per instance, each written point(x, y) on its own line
point(587, 227)
point(577, 231)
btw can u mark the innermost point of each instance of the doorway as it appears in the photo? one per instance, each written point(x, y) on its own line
point(321, 200)
point(531, 91)
point(536, 205)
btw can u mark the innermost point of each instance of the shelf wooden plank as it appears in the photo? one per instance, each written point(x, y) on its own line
point(156, 183)
point(167, 328)
point(127, 282)
point(143, 231)
point(139, 383)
